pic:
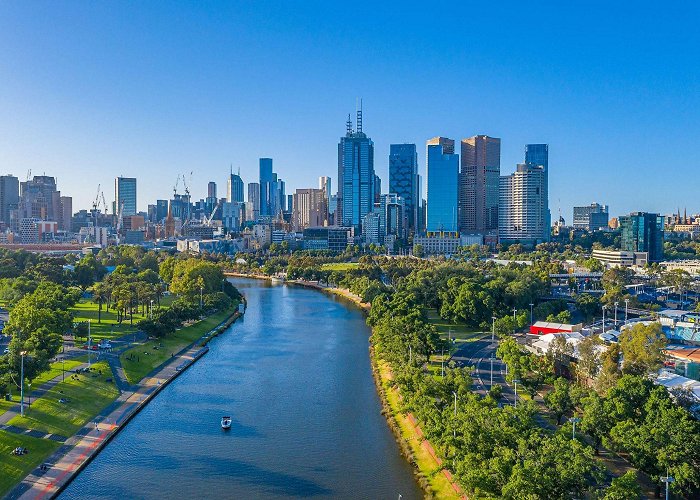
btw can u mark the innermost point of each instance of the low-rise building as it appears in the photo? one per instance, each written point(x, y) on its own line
point(620, 258)
point(330, 238)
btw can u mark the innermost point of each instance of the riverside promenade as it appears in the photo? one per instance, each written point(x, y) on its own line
point(84, 445)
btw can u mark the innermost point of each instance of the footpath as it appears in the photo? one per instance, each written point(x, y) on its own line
point(78, 450)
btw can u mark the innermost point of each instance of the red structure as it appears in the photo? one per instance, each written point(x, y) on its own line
point(543, 327)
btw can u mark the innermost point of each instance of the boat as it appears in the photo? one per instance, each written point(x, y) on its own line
point(225, 422)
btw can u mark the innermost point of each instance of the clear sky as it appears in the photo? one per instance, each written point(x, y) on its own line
point(91, 90)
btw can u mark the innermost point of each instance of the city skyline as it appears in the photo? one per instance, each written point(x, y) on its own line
point(82, 104)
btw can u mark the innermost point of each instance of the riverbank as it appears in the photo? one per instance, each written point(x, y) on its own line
point(87, 442)
point(435, 480)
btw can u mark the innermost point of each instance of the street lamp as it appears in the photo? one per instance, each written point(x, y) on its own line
point(668, 480)
point(454, 427)
point(201, 292)
point(514, 320)
point(63, 369)
point(516, 382)
point(603, 319)
point(574, 420)
point(442, 361)
point(491, 385)
point(493, 328)
point(531, 305)
point(616, 303)
point(627, 303)
point(21, 390)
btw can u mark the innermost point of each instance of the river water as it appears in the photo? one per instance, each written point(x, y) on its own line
point(295, 376)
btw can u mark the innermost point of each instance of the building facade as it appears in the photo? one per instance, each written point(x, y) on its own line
point(643, 232)
point(523, 206)
point(356, 177)
point(479, 184)
point(9, 197)
point(235, 188)
point(443, 175)
point(404, 181)
point(254, 200)
point(125, 195)
point(592, 217)
point(309, 208)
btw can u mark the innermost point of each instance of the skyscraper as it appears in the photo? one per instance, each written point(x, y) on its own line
point(538, 155)
point(9, 196)
point(403, 179)
point(443, 173)
point(254, 200)
point(125, 195)
point(522, 206)
point(211, 190)
point(309, 208)
point(39, 199)
point(478, 184)
point(235, 188)
point(265, 185)
point(356, 178)
point(643, 232)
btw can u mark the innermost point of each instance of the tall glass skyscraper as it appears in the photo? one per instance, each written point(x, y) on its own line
point(537, 155)
point(643, 232)
point(478, 184)
point(443, 174)
point(125, 195)
point(236, 188)
point(356, 178)
point(403, 179)
point(265, 185)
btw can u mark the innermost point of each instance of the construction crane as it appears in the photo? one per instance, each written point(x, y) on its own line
point(96, 202)
point(207, 221)
point(177, 181)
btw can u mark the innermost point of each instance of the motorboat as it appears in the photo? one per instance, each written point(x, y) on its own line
point(225, 422)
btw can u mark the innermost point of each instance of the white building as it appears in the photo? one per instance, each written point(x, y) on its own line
point(523, 206)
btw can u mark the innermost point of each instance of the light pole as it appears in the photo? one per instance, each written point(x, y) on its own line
point(603, 319)
point(410, 354)
point(442, 361)
point(201, 293)
point(531, 305)
point(515, 382)
point(21, 390)
point(616, 303)
point(151, 311)
point(493, 328)
point(89, 346)
point(668, 480)
point(63, 369)
point(514, 320)
point(627, 303)
point(574, 420)
point(491, 371)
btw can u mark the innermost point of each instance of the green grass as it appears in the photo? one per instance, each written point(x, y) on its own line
point(108, 327)
point(458, 331)
point(339, 266)
point(137, 364)
point(87, 395)
point(14, 468)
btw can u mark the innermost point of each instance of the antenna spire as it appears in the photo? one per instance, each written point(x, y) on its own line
point(359, 117)
point(348, 125)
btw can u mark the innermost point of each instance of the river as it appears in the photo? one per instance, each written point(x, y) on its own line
point(295, 376)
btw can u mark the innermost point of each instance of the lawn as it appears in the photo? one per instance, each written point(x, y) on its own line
point(108, 327)
point(458, 331)
point(140, 360)
point(339, 266)
point(14, 468)
point(87, 395)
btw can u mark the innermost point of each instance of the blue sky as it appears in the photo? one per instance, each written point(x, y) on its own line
point(91, 90)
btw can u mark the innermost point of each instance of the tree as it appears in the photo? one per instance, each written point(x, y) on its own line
point(587, 304)
point(610, 368)
point(642, 348)
point(594, 420)
point(559, 399)
point(588, 364)
point(625, 487)
point(418, 250)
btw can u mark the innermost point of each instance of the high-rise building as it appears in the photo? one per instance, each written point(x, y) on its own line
point(125, 195)
point(9, 196)
point(537, 155)
point(643, 232)
point(265, 185)
point(404, 180)
point(392, 217)
point(235, 189)
point(443, 173)
point(591, 217)
point(211, 189)
point(522, 217)
point(356, 177)
point(254, 200)
point(478, 184)
point(310, 208)
point(65, 213)
point(39, 199)
point(161, 210)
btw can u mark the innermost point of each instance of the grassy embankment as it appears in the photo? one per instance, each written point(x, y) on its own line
point(109, 327)
point(86, 395)
point(339, 266)
point(142, 359)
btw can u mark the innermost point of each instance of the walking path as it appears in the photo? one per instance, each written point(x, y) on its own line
point(80, 448)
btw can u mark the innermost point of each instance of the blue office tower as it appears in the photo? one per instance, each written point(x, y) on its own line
point(403, 179)
point(537, 155)
point(443, 177)
point(356, 178)
point(266, 179)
